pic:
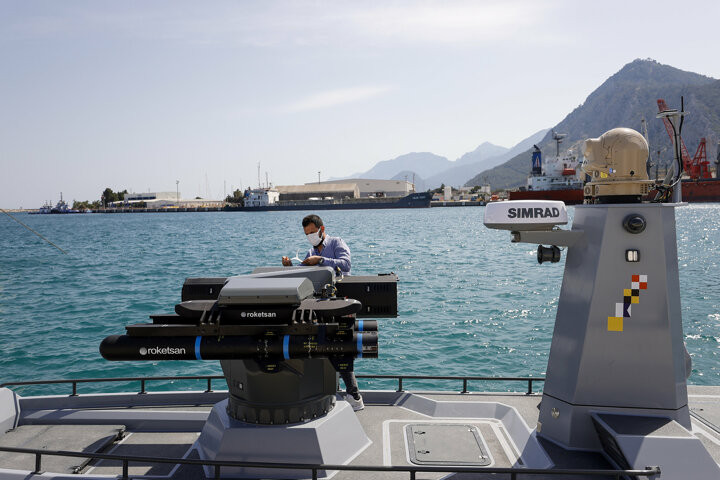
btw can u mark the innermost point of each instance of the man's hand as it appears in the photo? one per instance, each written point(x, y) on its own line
point(312, 260)
point(286, 262)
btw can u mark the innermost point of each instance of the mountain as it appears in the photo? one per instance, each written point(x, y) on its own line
point(423, 164)
point(407, 175)
point(484, 151)
point(473, 162)
point(431, 170)
point(622, 101)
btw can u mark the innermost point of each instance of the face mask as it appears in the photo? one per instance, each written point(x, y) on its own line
point(314, 238)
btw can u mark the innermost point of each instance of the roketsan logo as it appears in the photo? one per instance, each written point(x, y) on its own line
point(258, 314)
point(161, 351)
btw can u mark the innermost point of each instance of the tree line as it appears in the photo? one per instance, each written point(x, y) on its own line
point(106, 197)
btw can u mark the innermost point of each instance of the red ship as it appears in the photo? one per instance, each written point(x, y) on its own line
point(570, 197)
point(699, 190)
point(557, 179)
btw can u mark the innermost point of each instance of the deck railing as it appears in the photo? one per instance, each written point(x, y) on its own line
point(314, 469)
point(209, 378)
point(412, 471)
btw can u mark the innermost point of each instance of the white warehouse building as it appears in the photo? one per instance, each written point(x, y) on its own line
point(368, 187)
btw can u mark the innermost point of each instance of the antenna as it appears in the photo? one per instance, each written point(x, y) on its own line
point(558, 137)
point(259, 185)
point(644, 130)
point(267, 181)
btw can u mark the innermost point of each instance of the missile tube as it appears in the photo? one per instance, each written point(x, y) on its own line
point(269, 347)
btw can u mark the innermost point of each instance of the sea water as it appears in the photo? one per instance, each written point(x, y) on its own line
point(470, 302)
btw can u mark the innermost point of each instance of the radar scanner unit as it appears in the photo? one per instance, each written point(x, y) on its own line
point(525, 215)
point(532, 221)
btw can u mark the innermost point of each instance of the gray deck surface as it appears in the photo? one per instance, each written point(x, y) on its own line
point(74, 438)
point(146, 444)
point(383, 419)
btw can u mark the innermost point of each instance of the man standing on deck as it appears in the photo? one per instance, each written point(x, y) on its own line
point(331, 252)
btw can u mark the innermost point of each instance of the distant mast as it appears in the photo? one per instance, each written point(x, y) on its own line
point(558, 137)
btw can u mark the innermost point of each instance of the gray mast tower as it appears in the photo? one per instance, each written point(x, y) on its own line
point(616, 375)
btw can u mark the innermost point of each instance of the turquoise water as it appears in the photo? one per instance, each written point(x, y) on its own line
point(471, 303)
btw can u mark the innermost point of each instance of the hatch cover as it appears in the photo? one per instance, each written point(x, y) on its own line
point(446, 444)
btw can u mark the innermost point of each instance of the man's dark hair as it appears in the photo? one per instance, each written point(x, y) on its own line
point(314, 219)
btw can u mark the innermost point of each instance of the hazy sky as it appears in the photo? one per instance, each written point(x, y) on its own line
point(139, 94)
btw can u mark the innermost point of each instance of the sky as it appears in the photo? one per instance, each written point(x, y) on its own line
point(139, 95)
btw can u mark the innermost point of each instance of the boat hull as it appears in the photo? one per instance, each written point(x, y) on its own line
point(414, 200)
point(570, 197)
point(706, 190)
point(697, 191)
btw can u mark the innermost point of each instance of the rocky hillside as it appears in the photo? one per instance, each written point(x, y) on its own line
point(622, 101)
point(478, 161)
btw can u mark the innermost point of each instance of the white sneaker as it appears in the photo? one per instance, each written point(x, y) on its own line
point(355, 404)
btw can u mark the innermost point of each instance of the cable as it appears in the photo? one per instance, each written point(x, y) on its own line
point(33, 231)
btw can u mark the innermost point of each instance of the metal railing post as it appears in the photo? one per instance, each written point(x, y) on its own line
point(400, 384)
point(38, 463)
point(74, 390)
point(142, 386)
point(125, 470)
point(530, 389)
point(314, 474)
point(464, 390)
point(209, 383)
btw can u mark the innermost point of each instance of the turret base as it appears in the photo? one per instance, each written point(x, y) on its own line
point(333, 439)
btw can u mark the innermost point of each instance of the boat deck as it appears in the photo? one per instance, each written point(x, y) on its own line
point(438, 429)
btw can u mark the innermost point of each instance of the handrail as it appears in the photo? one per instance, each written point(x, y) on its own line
point(210, 378)
point(465, 379)
point(314, 468)
point(142, 380)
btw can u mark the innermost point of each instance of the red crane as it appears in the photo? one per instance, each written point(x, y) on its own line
point(696, 167)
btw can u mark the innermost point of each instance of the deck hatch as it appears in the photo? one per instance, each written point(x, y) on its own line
point(446, 444)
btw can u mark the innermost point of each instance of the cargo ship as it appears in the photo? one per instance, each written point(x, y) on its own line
point(557, 179)
point(701, 190)
point(413, 200)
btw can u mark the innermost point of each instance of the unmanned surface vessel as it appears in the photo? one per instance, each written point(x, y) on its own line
point(615, 401)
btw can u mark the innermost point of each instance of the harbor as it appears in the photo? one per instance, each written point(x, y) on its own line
point(247, 257)
point(465, 328)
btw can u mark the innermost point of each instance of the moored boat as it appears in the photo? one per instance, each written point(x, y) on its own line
point(413, 200)
point(558, 178)
point(61, 207)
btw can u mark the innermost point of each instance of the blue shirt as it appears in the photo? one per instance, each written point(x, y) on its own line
point(335, 252)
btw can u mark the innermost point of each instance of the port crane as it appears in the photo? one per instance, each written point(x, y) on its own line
point(696, 167)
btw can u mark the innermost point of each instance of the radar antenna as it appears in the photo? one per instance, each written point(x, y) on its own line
point(558, 137)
